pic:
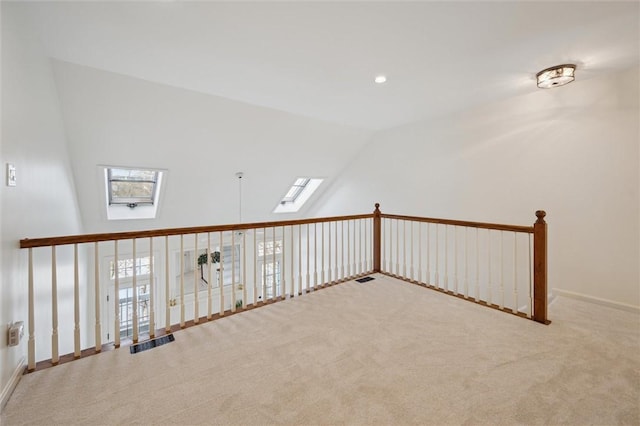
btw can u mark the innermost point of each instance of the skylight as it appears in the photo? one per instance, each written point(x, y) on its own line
point(132, 193)
point(297, 195)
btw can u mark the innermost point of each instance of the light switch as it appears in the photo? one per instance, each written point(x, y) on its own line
point(11, 175)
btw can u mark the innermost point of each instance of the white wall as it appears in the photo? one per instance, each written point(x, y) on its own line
point(572, 151)
point(202, 140)
point(44, 201)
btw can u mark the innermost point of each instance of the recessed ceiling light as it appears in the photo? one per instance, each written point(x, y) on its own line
point(556, 76)
point(380, 79)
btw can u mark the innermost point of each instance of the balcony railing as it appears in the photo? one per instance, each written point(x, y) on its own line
point(119, 288)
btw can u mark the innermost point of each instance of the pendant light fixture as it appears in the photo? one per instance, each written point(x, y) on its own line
point(556, 76)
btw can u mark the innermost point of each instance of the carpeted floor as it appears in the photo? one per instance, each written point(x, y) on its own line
point(381, 352)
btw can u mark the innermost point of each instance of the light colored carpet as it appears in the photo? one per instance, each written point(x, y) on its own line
point(382, 352)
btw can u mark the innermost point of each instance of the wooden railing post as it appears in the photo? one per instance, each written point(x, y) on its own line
point(540, 268)
point(377, 222)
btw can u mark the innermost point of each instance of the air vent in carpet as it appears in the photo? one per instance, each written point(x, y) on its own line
point(150, 344)
point(365, 279)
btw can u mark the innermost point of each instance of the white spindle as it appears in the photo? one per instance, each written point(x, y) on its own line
point(76, 304)
point(31, 349)
point(515, 272)
point(322, 281)
point(293, 281)
point(283, 255)
point(299, 260)
point(308, 268)
point(233, 271)
point(209, 282)
point(315, 256)
point(264, 265)
point(244, 269)
point(501, 269)
point(348, 249)
point(135, 295)
point(477, 265)
point(466, 263)
point(152, 293)
point(96, 268)
point(336, 274)
point(413, 277)
point(167, 294)
point(274, 288)
point(329, 272)
point(255, 267)
point(490, 295)
point(530, 260)
point(428, 281)
point(221, 275)
point(55, 357)
point(116, 296)
point(181, 281)
point(437, 274)
point(196, 283)
point(404, 248)
point(446, 258)
point(455, 260)
point(397, 248)
point(420, 252)
point(383, 244)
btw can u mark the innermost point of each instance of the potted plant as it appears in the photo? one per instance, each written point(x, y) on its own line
point(202, 260)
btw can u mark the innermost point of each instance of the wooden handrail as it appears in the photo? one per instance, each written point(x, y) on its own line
point(93, 238)
point(482, 225)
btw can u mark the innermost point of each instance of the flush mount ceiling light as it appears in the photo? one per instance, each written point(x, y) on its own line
point(380, 79)
point(556, 76)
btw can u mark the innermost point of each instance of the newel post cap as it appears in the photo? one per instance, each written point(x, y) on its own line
point(377, 210)
point(540, 214)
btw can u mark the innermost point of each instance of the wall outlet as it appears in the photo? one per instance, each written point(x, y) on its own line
point(16, 331)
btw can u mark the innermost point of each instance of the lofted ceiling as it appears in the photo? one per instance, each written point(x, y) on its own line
point(319, 59)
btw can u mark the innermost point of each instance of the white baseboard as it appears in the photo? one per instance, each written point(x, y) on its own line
point(12, 383)
point(598, 300)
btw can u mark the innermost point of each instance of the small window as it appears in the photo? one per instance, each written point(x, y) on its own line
point(132, 193)
point(297, 195)
point(132, 187)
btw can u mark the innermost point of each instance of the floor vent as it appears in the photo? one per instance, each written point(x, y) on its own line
point(365, 279)
point(150, 344)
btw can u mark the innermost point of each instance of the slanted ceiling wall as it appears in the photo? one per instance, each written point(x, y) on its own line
point(572, 151)
point(202, 141)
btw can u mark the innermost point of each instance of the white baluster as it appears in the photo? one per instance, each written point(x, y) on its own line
point(466, 262)
point(308, 261)
point(209, 282)
point(283, 255)
point(293, 281)
point(515, 272)
point(344, 257)
point(299, 260)
point(455, 260)
point(233, 271)
point(322, 256)
point(329, 272)
point(196, 283)
point(152, 293)
point(530, 261)
point(116, 296)
point(167, 292)
point(420, 252)
point(221, 275)
point(55, 357)
point(490, 295)
point(336, 274)
point(437, 274)
point(413, 277)
point(446, 258)
point(264, 265)
point(404, 248)
point(428, 281)
point(348, 249)
point(397, 248)
point(501, 270)
point(244, 269)
point(31, 345)
point(255, 267)
point(96, 268)
point(181, 281)
point(315, 256)
point(383, 244)
point(135, 295)
point(477, 265)
point(274, 288)
point(76, 304)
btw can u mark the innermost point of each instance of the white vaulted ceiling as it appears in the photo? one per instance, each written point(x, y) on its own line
point(319, 59)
